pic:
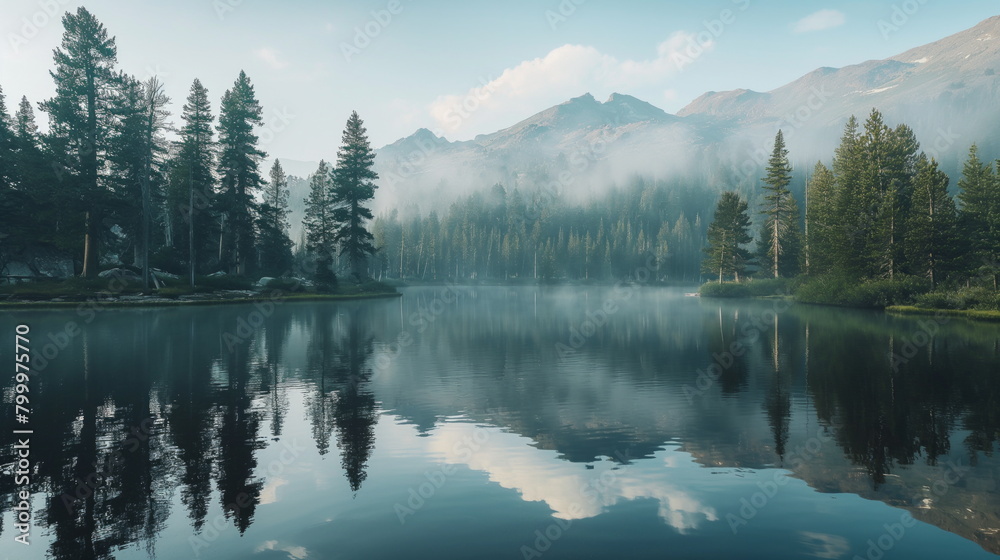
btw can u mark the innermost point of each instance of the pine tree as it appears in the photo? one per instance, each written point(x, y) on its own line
point(319, 225)
point(354, 186)
point(136, 150)
point(780, 238)
point(894, 178)
point(275, 245)
point(80, 120)
point(821, 221)
point(192, 180)
point(853, 220)
point(8, 211)
point(979, 192)
point(239, 173)
point(27, 212)
point(7, 148)
point(727, 234)
point(932, 240)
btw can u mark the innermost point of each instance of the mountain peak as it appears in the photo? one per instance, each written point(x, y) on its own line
point(585, 99)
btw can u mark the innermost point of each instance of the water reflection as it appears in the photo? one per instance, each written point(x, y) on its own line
point(149, 417)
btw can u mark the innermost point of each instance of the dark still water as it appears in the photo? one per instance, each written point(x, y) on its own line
point(481, 423)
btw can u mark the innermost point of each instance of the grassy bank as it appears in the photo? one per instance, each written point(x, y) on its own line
point(977, 314)
point(766, 287)
point(163, 302)
point(903, 295)
point(209, 290)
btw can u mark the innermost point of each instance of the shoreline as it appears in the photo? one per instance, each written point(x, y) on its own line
point(973, 314)
point(155, 302)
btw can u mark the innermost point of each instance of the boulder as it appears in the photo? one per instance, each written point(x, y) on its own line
point(123, 273)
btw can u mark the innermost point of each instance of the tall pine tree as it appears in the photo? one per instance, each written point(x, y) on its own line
point(979, 192)
point(239, 174)
point(353, 188)
point(192, 181)
point(727, 234)
point(79, 120)
point(275, 245)
point(780, 240)
point(932, 237)
point(821, 221)
point(137, 149)
point(319, 226)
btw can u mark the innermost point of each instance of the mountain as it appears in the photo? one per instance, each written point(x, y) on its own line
point(951, 83)
point(944, 90)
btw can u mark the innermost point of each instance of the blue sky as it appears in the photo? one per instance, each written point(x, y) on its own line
point(466, 68)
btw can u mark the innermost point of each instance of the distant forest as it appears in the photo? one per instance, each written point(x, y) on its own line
point(880, 209)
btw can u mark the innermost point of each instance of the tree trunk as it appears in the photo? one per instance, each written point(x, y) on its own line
point(86, 248)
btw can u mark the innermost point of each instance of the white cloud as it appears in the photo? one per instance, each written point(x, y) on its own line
point(565, 72)
point(823, 19)
point(270, 57)
point(572, 490)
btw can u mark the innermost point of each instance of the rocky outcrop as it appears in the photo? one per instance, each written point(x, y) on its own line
point(36, 262)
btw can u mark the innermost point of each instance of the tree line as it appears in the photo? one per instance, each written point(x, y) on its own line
point(511, 234)
point(881, 210)
point(105, 185)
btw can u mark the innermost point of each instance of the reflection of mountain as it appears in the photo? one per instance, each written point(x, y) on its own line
point(622, 392)
point(627, 399)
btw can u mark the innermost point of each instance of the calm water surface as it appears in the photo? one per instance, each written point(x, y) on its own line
point(492, 422)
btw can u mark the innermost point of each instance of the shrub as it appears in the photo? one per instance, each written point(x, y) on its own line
point(980, 298)
point(763, 287)
point(724, 290)
point(850, 292)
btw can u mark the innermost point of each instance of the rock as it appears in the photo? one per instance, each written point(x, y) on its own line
point(38, 262)
point(161, 274)
point(263, 282)
point(120, 273)
point(219, 273)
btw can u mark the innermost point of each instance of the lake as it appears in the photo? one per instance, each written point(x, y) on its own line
point(507, 422)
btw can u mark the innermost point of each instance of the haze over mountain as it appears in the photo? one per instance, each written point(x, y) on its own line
point(944, 90)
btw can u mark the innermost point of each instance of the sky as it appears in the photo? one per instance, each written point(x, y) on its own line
point(466, 68)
